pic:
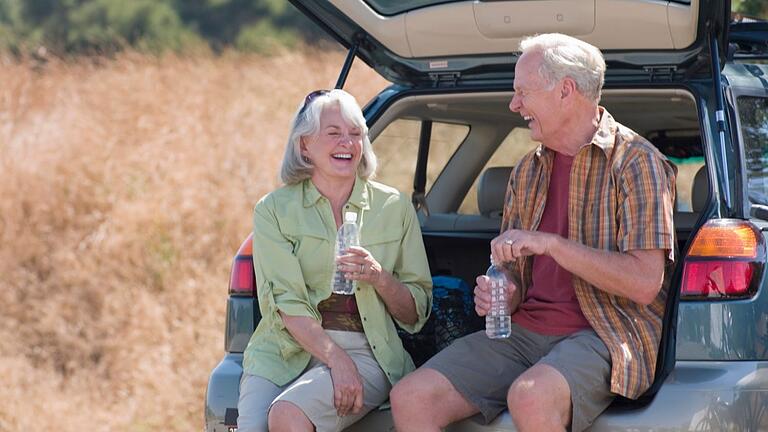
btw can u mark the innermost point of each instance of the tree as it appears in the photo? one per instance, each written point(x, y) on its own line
point(751, 8)
point(107, 26)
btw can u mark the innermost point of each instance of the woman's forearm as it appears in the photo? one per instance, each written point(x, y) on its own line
point(398, 299)
point(311, 336)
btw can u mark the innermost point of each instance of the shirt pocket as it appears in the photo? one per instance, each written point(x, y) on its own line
point(314, 251)
point(384, 246)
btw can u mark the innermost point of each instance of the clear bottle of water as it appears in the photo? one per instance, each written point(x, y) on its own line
point(498, 321)
point(347, 236)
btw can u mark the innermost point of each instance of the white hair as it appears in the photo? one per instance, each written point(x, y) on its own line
point(306, 123)
point(565, 56)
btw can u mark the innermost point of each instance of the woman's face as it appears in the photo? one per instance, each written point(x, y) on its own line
point(337, 148)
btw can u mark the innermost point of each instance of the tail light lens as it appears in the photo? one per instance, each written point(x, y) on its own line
point(725, 261)
point(242, 280)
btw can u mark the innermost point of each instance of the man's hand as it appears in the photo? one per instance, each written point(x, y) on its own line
point(513, 244)
point(483, 295)
point(347, 384)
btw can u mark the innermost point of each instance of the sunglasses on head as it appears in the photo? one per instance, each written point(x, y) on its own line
point(311, 96)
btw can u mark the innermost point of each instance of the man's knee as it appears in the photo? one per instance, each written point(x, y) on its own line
point(416, 391)
point(540, 398)
point(522, 398)
point(407, 391)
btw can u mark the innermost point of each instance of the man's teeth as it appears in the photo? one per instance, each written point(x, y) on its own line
point(343, 156)
point(527, 118)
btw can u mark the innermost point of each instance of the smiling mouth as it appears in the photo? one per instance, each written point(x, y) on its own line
point(342, 156)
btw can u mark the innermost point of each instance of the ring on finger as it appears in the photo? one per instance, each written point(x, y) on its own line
point(362, 268)
point(509, 242)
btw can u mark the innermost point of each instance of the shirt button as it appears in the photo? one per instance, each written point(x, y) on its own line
point(365, 318)
point(374, 347)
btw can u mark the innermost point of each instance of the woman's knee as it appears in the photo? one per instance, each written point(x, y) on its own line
point(287, 416)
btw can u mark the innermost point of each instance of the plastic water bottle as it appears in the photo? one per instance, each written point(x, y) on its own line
point(348, 235)
point(498, 321)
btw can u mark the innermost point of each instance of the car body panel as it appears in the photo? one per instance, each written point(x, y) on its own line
point(242, 316)
point(222, 394)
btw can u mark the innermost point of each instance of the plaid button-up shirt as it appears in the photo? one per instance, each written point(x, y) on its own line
point(621, 198)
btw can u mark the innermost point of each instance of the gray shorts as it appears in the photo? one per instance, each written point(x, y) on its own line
point(312, 391)
point(483, 369)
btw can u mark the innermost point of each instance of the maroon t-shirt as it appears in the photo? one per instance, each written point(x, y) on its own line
point(550, 306)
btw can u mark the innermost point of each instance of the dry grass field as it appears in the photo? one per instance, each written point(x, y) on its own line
point(126, 187)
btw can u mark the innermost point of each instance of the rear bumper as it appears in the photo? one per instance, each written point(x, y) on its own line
point(695, 396)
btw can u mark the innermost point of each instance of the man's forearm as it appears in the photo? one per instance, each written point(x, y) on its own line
point(636, 275)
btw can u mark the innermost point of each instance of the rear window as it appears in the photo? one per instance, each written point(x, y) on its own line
point(516, 145)
point(683, 151)
point(753, 119)
point(397, 147)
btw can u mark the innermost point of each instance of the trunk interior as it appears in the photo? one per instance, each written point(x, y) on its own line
point(475, 141)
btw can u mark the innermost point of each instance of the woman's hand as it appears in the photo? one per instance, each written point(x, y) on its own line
point(347, 384)
point(358, 264)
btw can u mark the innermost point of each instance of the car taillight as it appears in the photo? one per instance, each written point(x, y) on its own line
point(242, 280)
point(724, 261)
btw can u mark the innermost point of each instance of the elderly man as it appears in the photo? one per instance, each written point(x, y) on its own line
point(586, 233)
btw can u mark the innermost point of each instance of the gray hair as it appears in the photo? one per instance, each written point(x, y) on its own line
point(306, 122)
point(565, 56)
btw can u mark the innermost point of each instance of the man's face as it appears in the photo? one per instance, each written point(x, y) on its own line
point(534, 100)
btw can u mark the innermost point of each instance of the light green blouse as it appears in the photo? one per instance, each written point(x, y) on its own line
point(293, 254)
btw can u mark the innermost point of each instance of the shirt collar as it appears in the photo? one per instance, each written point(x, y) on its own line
point(358, 197)
point(604, 138)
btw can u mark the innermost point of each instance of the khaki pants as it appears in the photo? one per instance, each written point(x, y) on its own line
point(312, 391)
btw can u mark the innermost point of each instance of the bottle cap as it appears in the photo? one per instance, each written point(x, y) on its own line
point(350, 217)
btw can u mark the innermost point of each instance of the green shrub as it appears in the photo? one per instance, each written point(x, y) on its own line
point(264, 38)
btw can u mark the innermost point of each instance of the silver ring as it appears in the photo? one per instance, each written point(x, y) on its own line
point(508, 241)
point(362, 268)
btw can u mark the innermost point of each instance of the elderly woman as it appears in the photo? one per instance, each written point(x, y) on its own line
point(319, 360)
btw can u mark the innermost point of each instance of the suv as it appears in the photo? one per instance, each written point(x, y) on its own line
point(679, 73)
